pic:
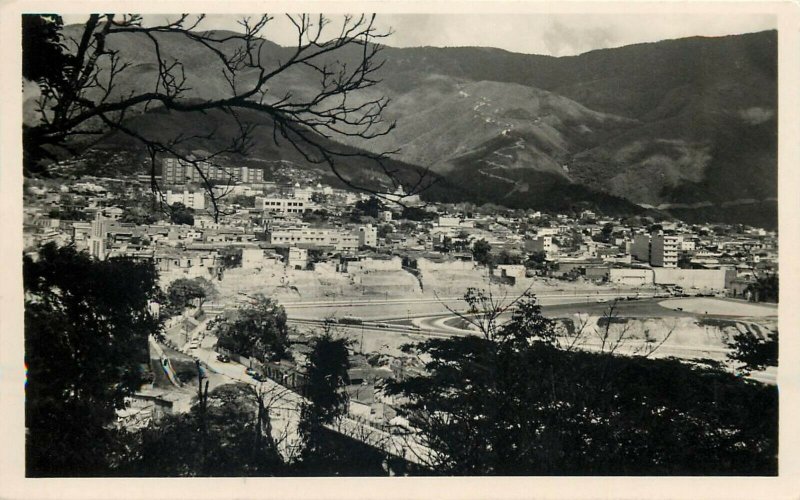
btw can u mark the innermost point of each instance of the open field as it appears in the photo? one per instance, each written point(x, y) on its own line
point(722, 307)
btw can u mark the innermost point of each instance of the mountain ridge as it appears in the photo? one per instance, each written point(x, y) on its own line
point(683, 121)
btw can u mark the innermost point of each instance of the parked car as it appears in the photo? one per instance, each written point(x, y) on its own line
point(223, 358)
point(251, 372)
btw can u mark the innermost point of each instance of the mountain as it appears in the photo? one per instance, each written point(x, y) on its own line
point(687, 125)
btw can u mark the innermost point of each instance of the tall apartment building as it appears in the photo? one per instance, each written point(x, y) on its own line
point(97, 237)
point(658, 249)
point(640, 247)
point(176, 171)
point(664, 250)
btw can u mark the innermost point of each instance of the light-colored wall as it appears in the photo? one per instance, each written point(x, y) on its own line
point(713, 279)
point(631, 276)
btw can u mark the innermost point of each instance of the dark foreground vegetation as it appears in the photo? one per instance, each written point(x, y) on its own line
point(516, 400)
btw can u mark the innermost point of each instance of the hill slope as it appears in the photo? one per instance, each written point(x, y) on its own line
point(682, 124)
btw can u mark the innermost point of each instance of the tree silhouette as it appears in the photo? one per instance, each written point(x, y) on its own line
point(521, 399)
point(86, 349)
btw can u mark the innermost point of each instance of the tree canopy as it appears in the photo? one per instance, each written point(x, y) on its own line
point(518, 401)
point(258, 329)
point(481, 252)
point(188, 292)
point(327, 375)
point(86, 348)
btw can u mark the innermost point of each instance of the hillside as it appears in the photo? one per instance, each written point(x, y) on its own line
point(678, 124)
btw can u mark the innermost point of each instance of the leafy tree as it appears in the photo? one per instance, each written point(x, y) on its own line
point(371, 207)
point(86, 349)
point(481, 252)
point(416, 214)
point(229, 436)
point(766, 288)
point(180, 214)
point(536, 260)
point(258, 330)
point(385, 230)
point(327, 375)
point(507, 258)
point(754, 352)
point(231, 257)
point(520, 400)
point(183, 292)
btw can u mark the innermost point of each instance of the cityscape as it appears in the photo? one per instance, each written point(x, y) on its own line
point(198, 309)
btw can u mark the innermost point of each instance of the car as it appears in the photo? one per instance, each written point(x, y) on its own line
point(601, 300)
point(251, 372)
point(223, 358)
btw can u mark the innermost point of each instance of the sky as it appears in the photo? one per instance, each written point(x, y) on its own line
point(547, 34)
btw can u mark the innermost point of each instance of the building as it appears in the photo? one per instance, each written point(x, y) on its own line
point(368, 236)
point(177, 171)
point(664, 250)
point(339, 239)
point(283, 205)
point(298, 258)
point(640, 247)
point(542, 244)
point(657, 249)
point(97, 237)
point(191, 199)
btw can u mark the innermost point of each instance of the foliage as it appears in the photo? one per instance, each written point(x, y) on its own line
point(86, 329)
point(230, 436)
point(507, 258)
point(371, 207)
point(481, 252)
point(385, 230)
point(231, 257)
point(68, 214)
point(536, 260)
point(766, 288)
point(183, 292)
point(517, 402)
point(754, 352)
point(180, 214)
point(327, 375)
point(416, 214)
point(258, 330)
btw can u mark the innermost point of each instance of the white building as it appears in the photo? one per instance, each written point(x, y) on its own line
point(368, 236)
point(339, 239)
point(191, 199)
point(283, 205)
point(97, 238)
point(664, 250)
point(298, 258)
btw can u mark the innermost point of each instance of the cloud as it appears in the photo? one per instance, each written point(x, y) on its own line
point(560, 39)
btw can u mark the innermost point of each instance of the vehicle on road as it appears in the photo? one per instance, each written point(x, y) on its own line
point(601, 300)
point(223, 358)
point(251, 372)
